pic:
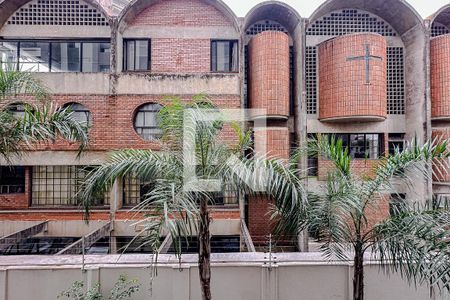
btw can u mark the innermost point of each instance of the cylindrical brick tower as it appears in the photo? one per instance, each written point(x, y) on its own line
point(269, 73)
point(274, 140)
point(353, 78)
point(440, 77)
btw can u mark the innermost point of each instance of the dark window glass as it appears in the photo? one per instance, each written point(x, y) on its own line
point(66, 57)
point(224, 56)
point(135, 190)
point(396, 204)
point(146, 121)
point(12, 180)
point(96, 57)
point(17, 109)
point(362, 146)
point(8, 55)
point(34, 56)
point(80, 112)
point(136, 55)
point(396, 141)
point(55, 56)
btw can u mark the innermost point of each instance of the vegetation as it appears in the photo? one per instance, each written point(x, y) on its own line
point(413, 241)
point(123, 289)
point(172, 205)
point(40, 123)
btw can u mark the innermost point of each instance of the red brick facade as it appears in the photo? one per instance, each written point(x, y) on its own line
point(440, 77)
point(181, 55)
point(353, 95)
point(182, 13)
point(269, 73)
point(275, 140)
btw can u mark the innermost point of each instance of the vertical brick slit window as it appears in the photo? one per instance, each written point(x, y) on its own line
point(55, 186)
point(311, 80)
point(12, 180)
point(58, 12)
point(224, 56)
point(146, 121)
point(56, 55)
point(136, 54)
point(395, 81)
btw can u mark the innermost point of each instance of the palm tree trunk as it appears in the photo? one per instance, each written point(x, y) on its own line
point(358, 275)
point(204, 254)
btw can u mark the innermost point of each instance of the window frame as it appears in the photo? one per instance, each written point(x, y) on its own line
point(125, 56)
point(50, 41)
point(137, 111)
point(21, 173)
point(230, 41)
point(381, 146)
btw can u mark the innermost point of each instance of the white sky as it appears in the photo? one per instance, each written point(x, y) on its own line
point(306, 7)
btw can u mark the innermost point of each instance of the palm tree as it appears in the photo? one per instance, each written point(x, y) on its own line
point(172, 207)
point(413, 241)
point(44, 122)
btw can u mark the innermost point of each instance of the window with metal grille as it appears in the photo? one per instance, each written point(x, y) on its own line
point(80, 112)
point(350, 21)
point(146, 121)
point(395, 81)
point(134, 190)
point(56, 56)
point(224, 56)
point(136, 54)
point(311, 80)
point(58, 12)
point(266, 25)
point(59, 186)
point(12, 180)
point(246, 75)
point(438, 29)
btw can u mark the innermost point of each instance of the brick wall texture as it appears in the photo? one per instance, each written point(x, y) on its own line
point(343, 88)
point(181, 13)
point(269, 72)
point(440, 76)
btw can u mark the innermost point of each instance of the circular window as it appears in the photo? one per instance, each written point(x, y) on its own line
point(17, 109)
point(80, 112)
point(146, 121)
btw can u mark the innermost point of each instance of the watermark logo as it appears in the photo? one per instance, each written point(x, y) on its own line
point(193, 118)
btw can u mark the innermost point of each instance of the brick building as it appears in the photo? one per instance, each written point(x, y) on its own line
point(372, 73)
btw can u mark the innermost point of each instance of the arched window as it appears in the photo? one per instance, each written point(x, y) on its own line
point(80, 112)
point(146, 121)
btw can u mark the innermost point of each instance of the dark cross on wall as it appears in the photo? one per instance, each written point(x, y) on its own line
point(367, 59)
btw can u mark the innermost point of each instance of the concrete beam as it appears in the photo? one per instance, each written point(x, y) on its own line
point(89, 240)
point(21, 235)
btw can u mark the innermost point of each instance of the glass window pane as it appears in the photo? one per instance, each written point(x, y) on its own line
point(66, 57)
point(372, 144)
point(8, 55)
point(142, 55)
point(130, 54)
point(96, 57)
point(234, 58)
point(357, 147)
point(146, 121)
point(223, 56)
point(34, 56)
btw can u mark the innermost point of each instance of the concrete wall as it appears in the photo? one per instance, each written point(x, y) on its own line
point(243, 276)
